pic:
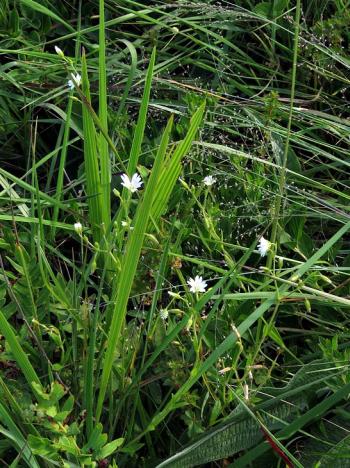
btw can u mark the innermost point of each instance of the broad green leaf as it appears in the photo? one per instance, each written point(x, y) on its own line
point(19, 355)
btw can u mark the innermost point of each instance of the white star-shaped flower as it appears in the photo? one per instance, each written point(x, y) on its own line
point(76, 79)
point(209, 180)
point(132, 184)
point(197, 284)
point(264, 246)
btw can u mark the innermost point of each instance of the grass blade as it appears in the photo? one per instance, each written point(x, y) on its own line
point(133, 250)
point(172, 167)
point(103, 144)
point(93, 182)
point(46, 11)
point(141, 121)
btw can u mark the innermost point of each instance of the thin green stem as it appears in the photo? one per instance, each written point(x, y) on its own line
point(282, 178)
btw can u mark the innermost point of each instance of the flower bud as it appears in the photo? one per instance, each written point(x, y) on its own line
point(116, 193)
point(78, 228)
point(173, 294)
point(246, 392)
point(307, 305)
point(59, 52)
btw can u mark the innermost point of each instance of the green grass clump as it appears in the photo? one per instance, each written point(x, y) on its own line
point(174, 234)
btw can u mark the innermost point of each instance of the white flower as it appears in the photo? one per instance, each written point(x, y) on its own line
point(59, 51)
point(132, 184)
point(264, 246)
point(197, 284)
point(163, 314)
point(209, 180)
point(76, 79)
point(78, 228)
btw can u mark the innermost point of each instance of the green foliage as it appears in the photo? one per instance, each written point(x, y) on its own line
point(242, 430)
point(107, 357)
